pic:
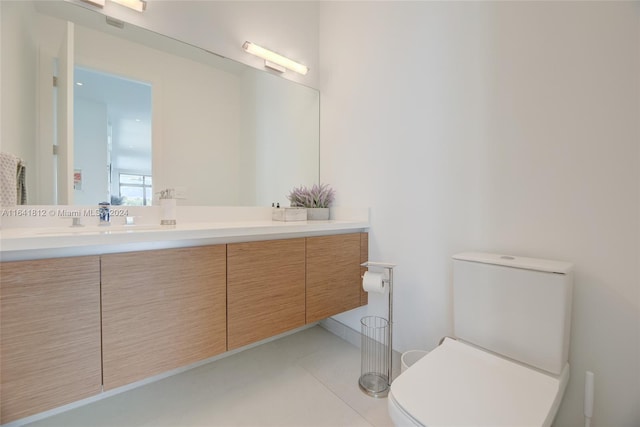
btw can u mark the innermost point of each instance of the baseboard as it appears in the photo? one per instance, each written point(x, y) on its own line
point(343, 331)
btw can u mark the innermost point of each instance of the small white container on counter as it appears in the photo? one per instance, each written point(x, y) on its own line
point(289, 214)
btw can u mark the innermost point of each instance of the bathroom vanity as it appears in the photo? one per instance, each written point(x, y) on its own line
point(93, 311)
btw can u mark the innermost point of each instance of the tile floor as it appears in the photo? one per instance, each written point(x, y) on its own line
point(309, 378)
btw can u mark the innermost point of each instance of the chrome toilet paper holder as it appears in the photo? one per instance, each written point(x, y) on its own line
point(376, 390)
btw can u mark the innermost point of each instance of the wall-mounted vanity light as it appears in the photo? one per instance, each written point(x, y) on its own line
point(139, 5)
point(274, 60)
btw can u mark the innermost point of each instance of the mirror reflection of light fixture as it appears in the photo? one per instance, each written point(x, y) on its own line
point(99, 3)
point(274, 60)
point(139, 5)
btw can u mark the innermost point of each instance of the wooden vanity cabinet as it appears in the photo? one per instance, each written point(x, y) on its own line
point(72, 325)
point(161, 310)
point(50, 334)
point(265, 289)
point(333, 275)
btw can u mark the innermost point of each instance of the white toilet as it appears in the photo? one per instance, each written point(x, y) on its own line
point(508, 364)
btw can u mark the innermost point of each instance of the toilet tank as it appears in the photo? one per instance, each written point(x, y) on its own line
point(514, 306)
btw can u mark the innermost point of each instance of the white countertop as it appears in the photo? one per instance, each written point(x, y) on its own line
point(49, 242)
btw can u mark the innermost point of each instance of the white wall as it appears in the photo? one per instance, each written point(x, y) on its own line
point(507, 127)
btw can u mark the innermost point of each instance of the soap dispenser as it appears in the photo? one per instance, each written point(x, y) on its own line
point(167, 207)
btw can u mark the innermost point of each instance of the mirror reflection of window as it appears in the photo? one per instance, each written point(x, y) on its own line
point(112, 128)
point(135, 190)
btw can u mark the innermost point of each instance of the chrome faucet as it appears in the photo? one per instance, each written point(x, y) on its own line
point(104, 213)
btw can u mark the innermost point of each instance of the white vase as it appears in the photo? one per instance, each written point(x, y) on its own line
point(315, 214)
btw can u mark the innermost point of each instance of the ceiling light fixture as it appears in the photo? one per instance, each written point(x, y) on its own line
point(274, 60)
point(139, 5)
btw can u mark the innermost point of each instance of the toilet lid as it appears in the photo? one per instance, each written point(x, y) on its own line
point(458, 384)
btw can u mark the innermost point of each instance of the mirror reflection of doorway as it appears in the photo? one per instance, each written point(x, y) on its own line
point(112, 139)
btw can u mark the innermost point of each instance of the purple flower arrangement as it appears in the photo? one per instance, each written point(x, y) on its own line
point(318, 196)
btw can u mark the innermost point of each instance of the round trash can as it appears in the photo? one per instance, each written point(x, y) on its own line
point(374, 378)
point(410, 357)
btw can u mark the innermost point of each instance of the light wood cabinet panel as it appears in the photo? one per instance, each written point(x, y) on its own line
point(333, 275)
point(364, 257)
point(161, 310)
point(50, 334)
point(265, 289)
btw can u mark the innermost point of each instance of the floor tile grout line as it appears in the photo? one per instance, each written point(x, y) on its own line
point(326, 386)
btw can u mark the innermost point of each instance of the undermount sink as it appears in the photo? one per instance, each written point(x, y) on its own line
point(106, 229)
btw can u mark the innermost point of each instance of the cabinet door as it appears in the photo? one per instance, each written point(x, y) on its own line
point(333, 275)
point(265, 289)
point(161, 310)
point(50, 329)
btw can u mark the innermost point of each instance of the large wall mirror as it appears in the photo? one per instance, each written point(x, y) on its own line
point(134, 112)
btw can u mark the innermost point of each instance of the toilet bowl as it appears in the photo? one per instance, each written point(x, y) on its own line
point(508, 364)
point(458, 384)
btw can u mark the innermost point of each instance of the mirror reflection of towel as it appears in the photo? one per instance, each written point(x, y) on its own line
point(21, 184)
point(13, 190)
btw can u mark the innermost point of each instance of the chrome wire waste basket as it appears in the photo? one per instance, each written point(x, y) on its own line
point(375, 364)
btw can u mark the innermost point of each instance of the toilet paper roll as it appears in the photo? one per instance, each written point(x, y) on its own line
point(373, 282)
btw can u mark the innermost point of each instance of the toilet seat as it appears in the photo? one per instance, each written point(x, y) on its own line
point(460, 385)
